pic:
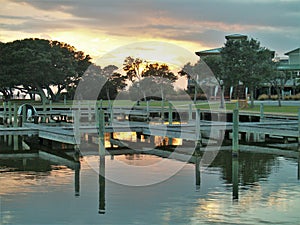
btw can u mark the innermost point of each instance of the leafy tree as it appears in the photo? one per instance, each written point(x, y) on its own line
point(247, 62)
point(36, 65)
point(161, 75)
point(101, 83)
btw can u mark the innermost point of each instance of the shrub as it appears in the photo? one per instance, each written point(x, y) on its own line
point(274, 97)
point(263, 97)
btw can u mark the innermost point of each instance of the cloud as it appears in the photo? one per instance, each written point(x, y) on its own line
point(197, 21)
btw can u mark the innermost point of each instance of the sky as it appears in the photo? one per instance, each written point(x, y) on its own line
point(99, 27)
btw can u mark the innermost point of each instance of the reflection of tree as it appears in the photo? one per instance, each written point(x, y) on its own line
point(252, 166)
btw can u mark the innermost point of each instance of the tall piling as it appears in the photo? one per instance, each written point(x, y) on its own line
point(235, 132)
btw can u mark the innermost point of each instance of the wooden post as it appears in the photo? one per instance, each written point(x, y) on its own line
point(65, 100)
point(24, 119)
point(162, 116)
point(190, 112)
point(15, 115)
point(148, 111)
point(89, 112)
point(170, 118)
point(4, 112)
point(9, 113)
point(261, 112)
point(198, 130)
point(235, 132)
point(50, 105)
point(76, 122)
point(235, 178)
point(16, 142)
point(101, 131)
point(111, 114)
point(44, 111)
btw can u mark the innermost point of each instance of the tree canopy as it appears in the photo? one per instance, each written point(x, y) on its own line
point(35, 65)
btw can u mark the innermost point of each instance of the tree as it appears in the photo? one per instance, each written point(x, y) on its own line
point(161, 75)
point(36, 65)
point(101, 83)
point(247, 62)
point(200, 76)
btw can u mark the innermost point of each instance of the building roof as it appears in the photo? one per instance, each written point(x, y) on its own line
point(297, 50)
point(215, 51)
point(285, 66)
point(236, 36)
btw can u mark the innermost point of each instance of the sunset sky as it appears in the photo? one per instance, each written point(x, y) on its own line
point(100, 26)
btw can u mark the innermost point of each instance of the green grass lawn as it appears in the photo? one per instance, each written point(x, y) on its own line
point(288, 110)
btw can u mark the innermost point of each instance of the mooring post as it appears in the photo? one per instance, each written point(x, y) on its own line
point(101, 131)
point(198, 130)
point(101, 103)
point(235, 178)
point(77, 179)
point(65, 100)
point(111, 114)
point(261, 112)
point(50, 105)
point(235, 132)
point(4, 112)
point(148, 111)
point(162, 116)
point(190, 112)
point(9, 113)
point(44, 111)
point(76, 122)
point(15, 115)
point(89, 112)
point(170, 118)
point(23, 115)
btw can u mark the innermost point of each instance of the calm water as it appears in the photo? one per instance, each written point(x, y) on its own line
point(37, 191)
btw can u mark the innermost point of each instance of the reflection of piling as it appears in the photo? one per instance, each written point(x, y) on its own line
point(77, 179)
point(101, 131)
point(102, 185)
point(235, 132)
point(197, 172)
point(235, 178)
point(299, 163)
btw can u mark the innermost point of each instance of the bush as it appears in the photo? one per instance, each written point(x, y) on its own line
point(263, 97)
point(274, 97)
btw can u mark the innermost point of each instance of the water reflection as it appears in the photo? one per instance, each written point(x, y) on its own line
point(102, 185)
point(235, 178)
point(197, 172)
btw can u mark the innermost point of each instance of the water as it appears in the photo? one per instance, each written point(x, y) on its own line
point(38, 191)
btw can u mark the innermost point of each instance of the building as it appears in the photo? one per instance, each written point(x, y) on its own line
point(290, 66)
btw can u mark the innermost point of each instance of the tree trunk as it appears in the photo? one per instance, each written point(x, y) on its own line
point(251, 97)
point(279, 96)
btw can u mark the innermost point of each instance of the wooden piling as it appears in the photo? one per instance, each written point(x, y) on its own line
point(102, 185)
point(65, 100)
point(4, 111)
point(162, 115)
point(23, 115)
point(15, 115)
point(148, 111)
point(101, 132)
point(261, 112)
point(170, 118)
point(190, 112)
point(9, 113)
point(197, 130)
point(235, 132)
